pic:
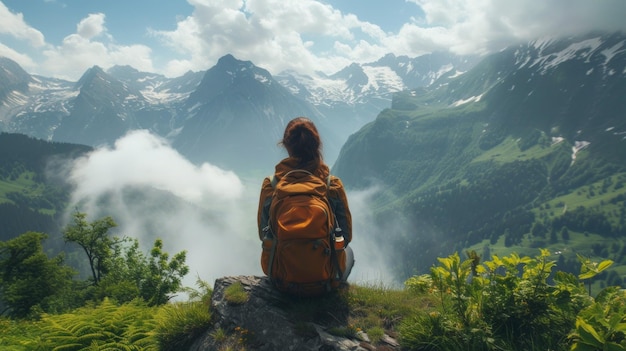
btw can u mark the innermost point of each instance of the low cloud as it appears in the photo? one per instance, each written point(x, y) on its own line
point(151, 191)
point(141, 158)
point(372, 257)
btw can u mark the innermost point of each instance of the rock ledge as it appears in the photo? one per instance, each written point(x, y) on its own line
point(272, 321)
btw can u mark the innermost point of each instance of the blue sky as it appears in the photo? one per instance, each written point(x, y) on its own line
point(63, 38)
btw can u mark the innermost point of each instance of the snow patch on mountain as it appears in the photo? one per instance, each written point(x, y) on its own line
point(382, 81)
point(148, 79)
point(382, 78)
point(323, 90)
point(585, 48)
point(46, 95)
point(408, 67)
point(16, 98)
point(440, 72)
point(557, 140)
point(261, 78)
point(156, 97)
point(612, 51)
point(456, 74)
point(468, 100)
point(578, 145)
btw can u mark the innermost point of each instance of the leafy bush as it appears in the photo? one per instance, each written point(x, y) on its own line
point(29, 280)
point(507, 303)
point(120, 270)
point(602, 325)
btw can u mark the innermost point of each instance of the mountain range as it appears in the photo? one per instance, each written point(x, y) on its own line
point(231, 115)
point(517, 150)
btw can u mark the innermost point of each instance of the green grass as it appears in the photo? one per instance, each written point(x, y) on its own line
point(588, 196)
point(379, 309)
point(578, 243)
point(509, 151)
point(24, 184)
point(179, 324)
point(235, 294)
point(27, 187)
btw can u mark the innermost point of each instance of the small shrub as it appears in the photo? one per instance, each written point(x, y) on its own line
point(506, 303)
point(420, 284)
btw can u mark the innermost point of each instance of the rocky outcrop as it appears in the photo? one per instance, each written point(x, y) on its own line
point(267, 320)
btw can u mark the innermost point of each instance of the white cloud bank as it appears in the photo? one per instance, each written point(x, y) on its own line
point(152, 192)
point(306, 35)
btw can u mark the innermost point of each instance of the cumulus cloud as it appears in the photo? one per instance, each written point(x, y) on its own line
point(25, 61)
point(293, 34)
point(311, 35)
point(91, 26)
point(15, 26)
point(90, 45)
point(482, 26)
point(274, 35)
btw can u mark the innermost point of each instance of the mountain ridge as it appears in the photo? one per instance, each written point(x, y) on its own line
point(126, 99)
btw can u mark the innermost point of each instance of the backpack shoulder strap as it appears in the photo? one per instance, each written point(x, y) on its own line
point(274, 180)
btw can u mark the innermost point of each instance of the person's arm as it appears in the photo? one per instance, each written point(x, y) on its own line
point(339, 200)
point(264, 206)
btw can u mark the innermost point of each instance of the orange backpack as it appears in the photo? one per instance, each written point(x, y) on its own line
point(299, 252)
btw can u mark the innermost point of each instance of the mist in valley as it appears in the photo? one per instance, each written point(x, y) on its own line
point(151, 192)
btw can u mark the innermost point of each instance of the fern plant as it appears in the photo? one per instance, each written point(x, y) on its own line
point(104, 327)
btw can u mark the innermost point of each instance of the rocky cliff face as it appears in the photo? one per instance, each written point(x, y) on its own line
point(269, 320)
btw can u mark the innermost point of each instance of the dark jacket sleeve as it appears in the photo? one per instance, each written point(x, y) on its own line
point(339, 202)
point(265, 200)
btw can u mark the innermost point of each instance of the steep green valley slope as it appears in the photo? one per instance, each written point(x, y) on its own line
point(524, 151)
